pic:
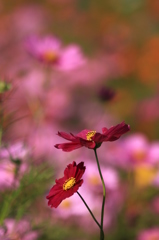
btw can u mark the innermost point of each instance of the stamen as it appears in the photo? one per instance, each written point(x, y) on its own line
point(90, 134)
point(66, 204)
point(69, 183)
point(50, 56)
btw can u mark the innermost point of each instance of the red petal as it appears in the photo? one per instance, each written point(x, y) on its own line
point(98, 138)
point(55, 200)
point(88, 144)
point(104, 130)
point(70, 171)
point(54, 190)
point(112, 133)
point(78, 184)
point(83, 134)
point(66, 136)
point(60, 181)
point(80, 171)
point(68, 147)
point(116, 131)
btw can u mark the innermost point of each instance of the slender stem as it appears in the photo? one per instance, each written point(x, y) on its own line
point(104, 194)
point(89, 210)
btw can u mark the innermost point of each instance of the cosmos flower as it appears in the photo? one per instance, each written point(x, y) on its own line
point(92, 178)
point(71, 58)
point(91, 139)
point(13, 164)
point(45, 49)
point(7, 174)
point(136, 147)
point(16, 151)
point(66, 186)
point(49, 50)
point(149, 234)
point(17, 230)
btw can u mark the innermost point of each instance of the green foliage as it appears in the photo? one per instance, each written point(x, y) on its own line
point(18, 201)
point(4, 86)
point(64, 231)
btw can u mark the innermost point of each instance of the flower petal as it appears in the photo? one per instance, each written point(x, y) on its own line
point(70, 171)
point(55, 200)
point(83, 134)
point(115, 132)
point(68, 147)
point(80, 171)
point(88, 144)
point(54, 191)
point(98, 138)
point(67, 136)
point(57, 193)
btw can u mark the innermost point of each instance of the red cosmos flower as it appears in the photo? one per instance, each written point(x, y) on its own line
point(65, 187)
point(91, 139)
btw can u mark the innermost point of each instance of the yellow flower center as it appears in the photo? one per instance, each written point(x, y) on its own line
point(94, 180)
point(154, 237)
point(50, 56)
point(69, 183)
point(90, 134)
point(144, 175)
point(66, 204)
point(14, 236)
point(139, 155)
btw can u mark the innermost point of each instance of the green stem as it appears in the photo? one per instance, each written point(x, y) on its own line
point(104, 194)
point(89, 210)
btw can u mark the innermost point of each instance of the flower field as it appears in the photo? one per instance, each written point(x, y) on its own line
point(79, 120)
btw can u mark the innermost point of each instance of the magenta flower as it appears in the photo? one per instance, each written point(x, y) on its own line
point(16, 151)
point(11, 156)
point(17, 230)
point(149, 234)
point(45, 49)
point(91, 139)
point(50, 50)
point(66, 186)
point(71, 58)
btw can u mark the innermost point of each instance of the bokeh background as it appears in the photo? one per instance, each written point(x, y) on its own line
point(73, 65)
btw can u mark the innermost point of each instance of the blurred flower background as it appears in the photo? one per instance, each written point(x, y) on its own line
point(67, 66)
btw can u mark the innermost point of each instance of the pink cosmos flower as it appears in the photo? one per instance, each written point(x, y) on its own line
point(71, 58)
point(149, 234)
point(50, 50)
point(153, 153)
point(128, 152)
point(7, 174)
point(47, 49)
point(8, 155)
point(137, 150)
point(93, 181)
point(8, 178)
point(17, 230)
point(15, 151)
point(136, 146)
